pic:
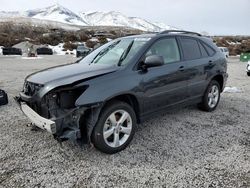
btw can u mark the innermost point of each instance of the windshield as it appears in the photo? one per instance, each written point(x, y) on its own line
point(118, 52)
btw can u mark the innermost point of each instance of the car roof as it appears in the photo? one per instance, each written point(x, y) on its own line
point(140, 36)
point(168, 33)
point(174, 33)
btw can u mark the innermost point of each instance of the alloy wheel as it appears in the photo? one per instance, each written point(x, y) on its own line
point(117, 128)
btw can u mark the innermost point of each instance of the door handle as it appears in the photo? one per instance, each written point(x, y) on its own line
point(181, 68)
point(210, 63)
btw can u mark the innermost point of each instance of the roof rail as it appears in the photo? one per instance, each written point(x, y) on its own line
point(180, 31)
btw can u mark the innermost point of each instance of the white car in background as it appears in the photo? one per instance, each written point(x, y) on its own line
point(225, 51)
point(248, 68)
point(1, 50)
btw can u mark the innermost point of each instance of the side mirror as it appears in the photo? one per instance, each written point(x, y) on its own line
point(153, 61)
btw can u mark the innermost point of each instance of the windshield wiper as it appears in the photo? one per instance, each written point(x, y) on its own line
point(104, 51)
point(125, 53)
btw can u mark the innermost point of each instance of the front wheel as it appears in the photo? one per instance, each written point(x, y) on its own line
point(211, 97)
point(115, 128)
point(248, 73)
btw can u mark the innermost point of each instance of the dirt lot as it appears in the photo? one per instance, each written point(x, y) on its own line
point(182, 148)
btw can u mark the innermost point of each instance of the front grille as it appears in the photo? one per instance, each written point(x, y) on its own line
point(30, 88)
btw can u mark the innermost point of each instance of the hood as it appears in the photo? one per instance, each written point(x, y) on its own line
point(71, 73)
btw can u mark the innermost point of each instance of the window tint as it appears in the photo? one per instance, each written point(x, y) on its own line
point(167, 48)
point(190, 48)
point(209, 50)
point(203, 51)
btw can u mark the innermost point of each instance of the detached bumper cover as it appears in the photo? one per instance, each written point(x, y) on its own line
point(38, 120)
point(67, 124)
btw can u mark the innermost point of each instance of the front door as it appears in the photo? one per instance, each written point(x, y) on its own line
point(165, 85)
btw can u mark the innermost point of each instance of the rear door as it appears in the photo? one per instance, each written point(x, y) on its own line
point(198, 63)
point(164, 85)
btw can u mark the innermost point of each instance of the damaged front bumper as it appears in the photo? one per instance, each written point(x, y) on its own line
point(63, 127)
point(36, 119)
point(75, 123)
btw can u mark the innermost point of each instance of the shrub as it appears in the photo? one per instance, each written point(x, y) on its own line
point(70, 37)
point(83, 37)
point(69, 46)
point(90, 32)
point(8, 41)
point(51, 40)
point(103, 40)
point(91, 44)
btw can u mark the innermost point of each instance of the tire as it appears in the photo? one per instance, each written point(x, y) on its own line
point(109, 123)
point(248, 73)
point(206, 104)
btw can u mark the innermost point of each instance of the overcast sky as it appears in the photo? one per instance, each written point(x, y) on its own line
point(213, 16)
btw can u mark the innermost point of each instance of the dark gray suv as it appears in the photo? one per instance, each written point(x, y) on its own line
point(101, 98)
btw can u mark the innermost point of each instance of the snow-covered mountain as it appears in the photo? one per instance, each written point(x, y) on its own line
point(118, 19)
point(56, 13)
point(4, 14)
point(61, 14)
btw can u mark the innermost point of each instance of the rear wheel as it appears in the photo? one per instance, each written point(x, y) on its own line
point(211, 97)
point(248, 73)
point(115, 128)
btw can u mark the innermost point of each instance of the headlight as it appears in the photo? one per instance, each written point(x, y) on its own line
point(67, 97)
point(30, 88)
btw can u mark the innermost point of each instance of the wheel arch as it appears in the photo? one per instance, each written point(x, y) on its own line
point(89, 119)
point(130, 99)
point(219, 78)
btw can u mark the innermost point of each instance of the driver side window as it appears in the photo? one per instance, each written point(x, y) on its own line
point(167, 48)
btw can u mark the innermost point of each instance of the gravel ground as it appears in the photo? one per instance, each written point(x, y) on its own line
point(182, 148)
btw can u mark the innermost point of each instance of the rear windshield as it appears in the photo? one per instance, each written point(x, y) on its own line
point(81, 48)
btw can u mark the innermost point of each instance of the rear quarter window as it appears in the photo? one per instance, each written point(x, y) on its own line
point(203, 51)
point(191, 49)
point(209, 49)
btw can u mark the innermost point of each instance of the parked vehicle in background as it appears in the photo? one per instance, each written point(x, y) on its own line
point(248, 68)
point(102, 97)
point(82, 51)
point(225, 51)
point(12, 51)
point(1, 50)
point(44, 51)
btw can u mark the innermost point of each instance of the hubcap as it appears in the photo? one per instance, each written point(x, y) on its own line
point(213, 96)
point(117, 128)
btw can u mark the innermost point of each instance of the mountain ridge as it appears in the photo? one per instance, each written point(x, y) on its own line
point(61, 14)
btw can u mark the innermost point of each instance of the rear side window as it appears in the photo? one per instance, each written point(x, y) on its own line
point(209, 50)
point(167, 48)
point(191, 49)
point(203, 50)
